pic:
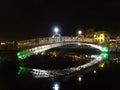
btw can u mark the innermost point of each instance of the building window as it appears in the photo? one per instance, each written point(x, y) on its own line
point(101, 40)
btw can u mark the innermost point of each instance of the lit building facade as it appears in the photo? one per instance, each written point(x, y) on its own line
point(101, 37)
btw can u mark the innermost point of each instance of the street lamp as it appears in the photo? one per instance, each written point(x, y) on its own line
point(79, 32)
point(56, 32)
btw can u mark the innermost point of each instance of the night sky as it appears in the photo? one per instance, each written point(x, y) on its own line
point(25, 19)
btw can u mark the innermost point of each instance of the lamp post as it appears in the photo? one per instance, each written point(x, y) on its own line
point(56, 32)
point(56, 36)
point(79, 32)
point(79, 35)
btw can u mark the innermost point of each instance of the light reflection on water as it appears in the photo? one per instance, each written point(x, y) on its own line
point(42, 73)
point(27, 78)
point(58, 65)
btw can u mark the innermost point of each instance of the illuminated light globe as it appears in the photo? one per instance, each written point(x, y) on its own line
point(56, 29)
point(56, 32)
point(79, 32)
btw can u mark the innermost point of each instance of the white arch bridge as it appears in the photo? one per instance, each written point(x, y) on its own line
point(49, 43)
point(51, 40)
point(43, 44)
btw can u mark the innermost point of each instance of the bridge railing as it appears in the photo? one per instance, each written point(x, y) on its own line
point(50, 40)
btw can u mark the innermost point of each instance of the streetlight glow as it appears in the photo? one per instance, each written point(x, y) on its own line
point(56, 29)
point(79, 32)
point(56, 32)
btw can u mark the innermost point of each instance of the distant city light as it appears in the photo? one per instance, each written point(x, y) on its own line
point(94, 35)
point(2, 43)
point(56, 86)
point(79, 44)
point(94, 71)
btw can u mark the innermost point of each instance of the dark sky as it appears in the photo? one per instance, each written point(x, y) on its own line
point(23, 19)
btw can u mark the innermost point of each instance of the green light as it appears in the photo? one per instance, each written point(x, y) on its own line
point(104, 49)
point(104, 55)
point(28, 54)
point(20, 57)
point(18, 53)
point(21, 69)
point(24, 54)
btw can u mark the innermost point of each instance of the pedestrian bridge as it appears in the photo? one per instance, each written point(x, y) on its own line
point(50, 40)
point(42, 44)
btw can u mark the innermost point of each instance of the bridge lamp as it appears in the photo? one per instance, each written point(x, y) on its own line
point(79, 32)
point(56, 29)
point(56, 32)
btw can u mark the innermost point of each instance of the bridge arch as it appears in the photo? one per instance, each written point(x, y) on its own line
point(43, 44)
point(32, 51)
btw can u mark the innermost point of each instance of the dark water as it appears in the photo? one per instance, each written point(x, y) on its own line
point(105, 77)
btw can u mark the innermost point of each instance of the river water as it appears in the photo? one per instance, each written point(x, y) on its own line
point(30, 74)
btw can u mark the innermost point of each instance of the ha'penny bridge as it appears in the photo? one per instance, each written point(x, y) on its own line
point(27, 48)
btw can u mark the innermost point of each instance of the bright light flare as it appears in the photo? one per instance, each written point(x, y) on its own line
point(79, 32)
point(56, 29)
point(94, 71)
point(56, 86)
point(79, 79)
point(79, 44)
